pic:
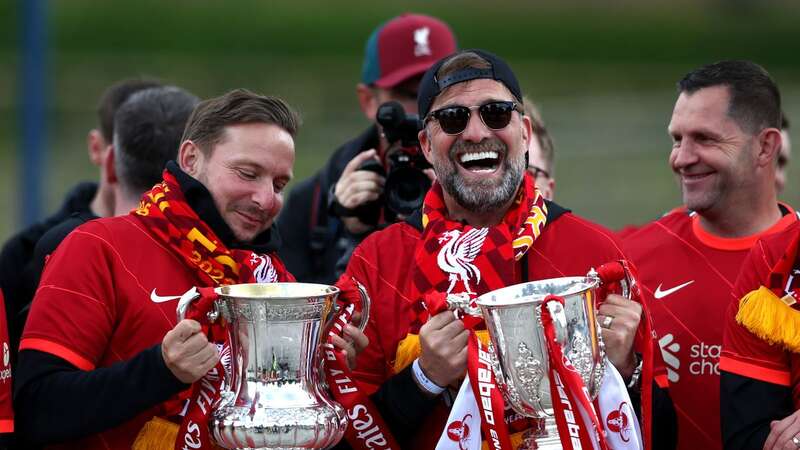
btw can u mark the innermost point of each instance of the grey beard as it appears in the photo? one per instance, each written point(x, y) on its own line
point(483, 196)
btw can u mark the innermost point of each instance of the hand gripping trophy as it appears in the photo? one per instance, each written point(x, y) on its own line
point(270, 390)
point(546, 359)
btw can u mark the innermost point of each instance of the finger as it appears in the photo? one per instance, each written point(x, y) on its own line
point(616, 299)
point(777, 431)
point(359, 199)
point(791, 430)
point(440, 320)
point(620, 311)
point(194, 344)
point(186, 328)
point(210, 361)
point(452, 329)
point(359, 159)
point(461, 360)
point(460, 340)
point(360, 340)
point(363, 176)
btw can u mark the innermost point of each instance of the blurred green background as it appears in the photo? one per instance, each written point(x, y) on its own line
point(603, 74)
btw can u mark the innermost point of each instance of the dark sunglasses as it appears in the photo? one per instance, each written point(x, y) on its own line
point(454, 119)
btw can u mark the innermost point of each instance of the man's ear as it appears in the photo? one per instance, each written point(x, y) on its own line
point(527, 130)
point(367, 100)
point(769, 145)
point(190, 158)
point(425, 144)
point(95, 145)
point(108, 165)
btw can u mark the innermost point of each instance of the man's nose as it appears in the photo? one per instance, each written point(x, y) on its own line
point(476, 130)
point(264, 196)
point(683, 154)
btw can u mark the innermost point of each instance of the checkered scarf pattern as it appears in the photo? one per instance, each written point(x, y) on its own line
point(778, 280)
point(504, 245)
point(164, 212)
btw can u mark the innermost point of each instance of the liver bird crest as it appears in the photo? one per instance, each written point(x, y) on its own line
point(458, 252)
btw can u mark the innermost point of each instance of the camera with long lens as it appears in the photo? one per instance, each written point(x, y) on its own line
point(403, 165)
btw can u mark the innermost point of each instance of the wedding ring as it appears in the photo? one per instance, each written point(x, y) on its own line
point(796, 441)
point(606, 323)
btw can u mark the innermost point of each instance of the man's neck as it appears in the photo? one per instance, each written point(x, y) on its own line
point(123, 204)
point(488, 219)
point(102, 205)
point(740, 221)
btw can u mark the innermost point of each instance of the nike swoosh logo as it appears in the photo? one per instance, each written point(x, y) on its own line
point(161, 299)
point(661, 294)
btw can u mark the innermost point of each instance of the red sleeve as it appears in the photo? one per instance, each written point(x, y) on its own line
point(742, 352)
point(72, 314)
point(371, 366)
point(6, 410)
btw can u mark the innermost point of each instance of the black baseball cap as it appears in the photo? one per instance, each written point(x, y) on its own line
point(430, 86)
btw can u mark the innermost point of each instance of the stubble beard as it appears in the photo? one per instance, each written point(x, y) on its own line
point(486, 195)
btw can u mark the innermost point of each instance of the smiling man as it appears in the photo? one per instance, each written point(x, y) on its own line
point(476, 138)
point(103, 358)
point(725, 131)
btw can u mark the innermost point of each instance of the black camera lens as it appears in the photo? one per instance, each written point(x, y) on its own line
point(405, 190)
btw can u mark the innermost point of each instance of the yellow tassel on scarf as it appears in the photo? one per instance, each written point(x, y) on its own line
point(408, 349)
point(770, 318)
point(157, 434)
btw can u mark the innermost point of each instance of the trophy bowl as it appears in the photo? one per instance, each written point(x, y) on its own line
point(517, 343)
point(275, 397)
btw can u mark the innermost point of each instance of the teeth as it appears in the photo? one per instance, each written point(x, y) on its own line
point(466, 157)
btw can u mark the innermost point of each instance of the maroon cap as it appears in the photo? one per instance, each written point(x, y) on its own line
point(404, 47)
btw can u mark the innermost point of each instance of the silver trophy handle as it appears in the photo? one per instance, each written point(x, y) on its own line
point(626, 284)
point(365, 305)
point(464, 304)
point(186, 299)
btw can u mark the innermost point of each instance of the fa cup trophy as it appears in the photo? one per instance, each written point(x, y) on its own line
point(274, 394)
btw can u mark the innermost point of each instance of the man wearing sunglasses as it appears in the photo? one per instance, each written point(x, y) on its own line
point(396, 55)
point(484, 225)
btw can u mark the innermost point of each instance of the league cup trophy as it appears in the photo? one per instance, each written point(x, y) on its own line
point(518, 350)
point(274, 394)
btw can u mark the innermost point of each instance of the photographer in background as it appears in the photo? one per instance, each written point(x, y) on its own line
point(397, 53)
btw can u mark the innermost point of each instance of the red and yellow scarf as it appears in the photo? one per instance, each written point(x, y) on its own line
point(163, 210)
point(453, 257)
point(772, 312)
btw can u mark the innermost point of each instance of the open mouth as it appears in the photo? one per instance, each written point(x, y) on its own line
point(480, 162)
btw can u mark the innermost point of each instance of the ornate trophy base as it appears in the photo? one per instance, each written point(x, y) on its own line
point(541, 437)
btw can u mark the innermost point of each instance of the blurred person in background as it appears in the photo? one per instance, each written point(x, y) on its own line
point(785, 155)
point(18, 274)
point(324, 216)
point(147, 133)
point(725, 131)
point(541, 155)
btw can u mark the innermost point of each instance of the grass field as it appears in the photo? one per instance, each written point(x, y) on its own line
point(603, 75)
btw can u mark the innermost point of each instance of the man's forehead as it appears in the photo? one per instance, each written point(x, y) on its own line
point(707, 106)
point(473, 91)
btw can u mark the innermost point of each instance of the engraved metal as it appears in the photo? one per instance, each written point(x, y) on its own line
point(274, 395)
point(513, 319)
